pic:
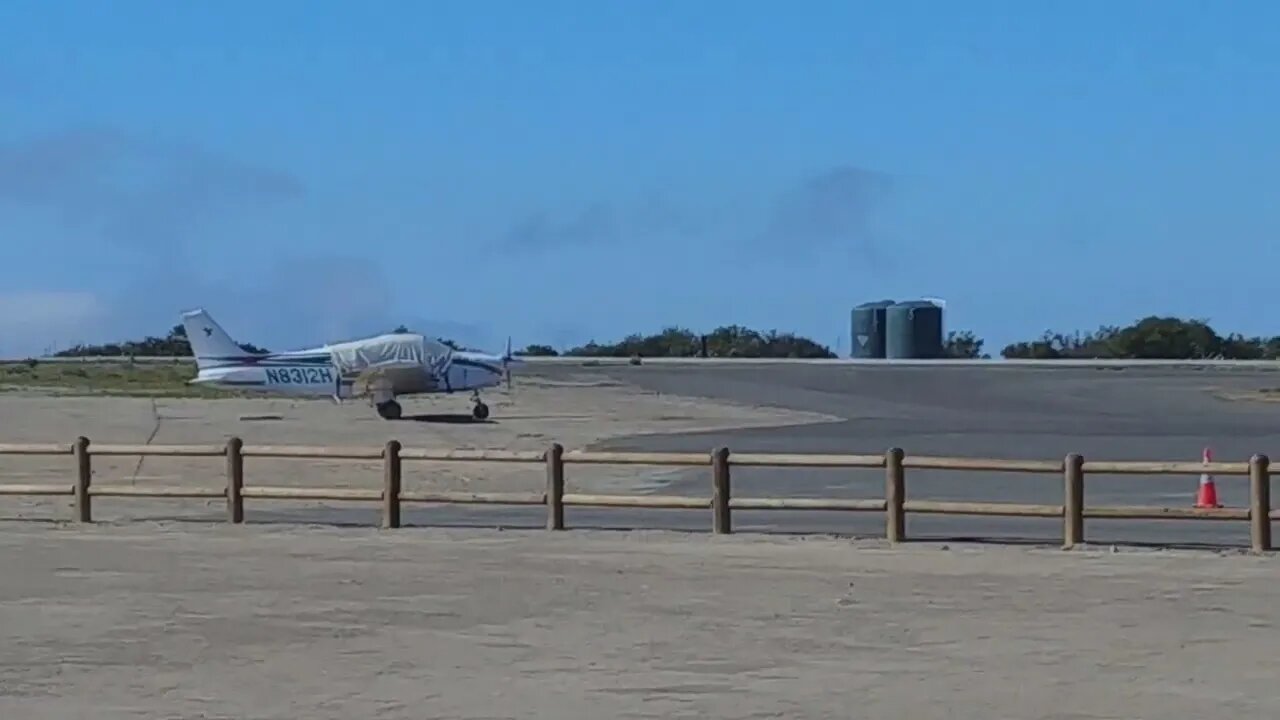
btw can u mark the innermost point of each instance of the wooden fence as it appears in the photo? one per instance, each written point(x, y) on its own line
point(894, 505)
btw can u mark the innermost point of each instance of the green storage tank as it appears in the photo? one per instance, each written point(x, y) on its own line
point(913, 330)
point(868, 330)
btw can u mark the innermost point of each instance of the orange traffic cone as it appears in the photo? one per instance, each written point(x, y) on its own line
point(1207, 496)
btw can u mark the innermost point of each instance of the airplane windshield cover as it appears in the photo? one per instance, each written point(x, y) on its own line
point(392, 350)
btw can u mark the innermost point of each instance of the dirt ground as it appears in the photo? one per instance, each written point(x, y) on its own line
point(213, 621)
point(574, 411)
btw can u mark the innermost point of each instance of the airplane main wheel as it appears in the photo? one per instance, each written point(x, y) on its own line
point(389, 410)
point(480, 411)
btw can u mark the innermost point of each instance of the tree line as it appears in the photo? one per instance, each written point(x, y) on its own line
point(1153, 337)
point(175, 344)
point(1149, 338)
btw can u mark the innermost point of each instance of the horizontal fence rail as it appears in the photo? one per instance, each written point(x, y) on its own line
point(1072, 471)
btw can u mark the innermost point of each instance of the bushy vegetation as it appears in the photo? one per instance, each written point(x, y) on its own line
point(726, 341)
point(963, 345)
point(175, 344)
point(1151, 338)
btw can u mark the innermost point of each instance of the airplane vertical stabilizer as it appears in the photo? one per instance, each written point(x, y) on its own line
point(209, 342)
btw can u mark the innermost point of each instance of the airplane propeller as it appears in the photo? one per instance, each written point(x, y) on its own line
point(507, 357)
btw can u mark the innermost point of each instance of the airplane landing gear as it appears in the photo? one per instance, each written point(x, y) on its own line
point(389, 410)
point(479, 411)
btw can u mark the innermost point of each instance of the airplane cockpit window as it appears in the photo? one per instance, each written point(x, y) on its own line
point(435, 348)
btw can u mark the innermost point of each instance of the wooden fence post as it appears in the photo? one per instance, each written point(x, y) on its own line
point(555, 487)
point(391, 484)
point(1260, 502)
point(1073, 500)
point(84, 475)
point(235, 480)
point(720, 519)
point(895, 492)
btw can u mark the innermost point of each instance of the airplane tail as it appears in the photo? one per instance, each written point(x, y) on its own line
point(209, 342)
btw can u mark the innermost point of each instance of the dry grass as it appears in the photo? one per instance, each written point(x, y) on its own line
point(120, 379)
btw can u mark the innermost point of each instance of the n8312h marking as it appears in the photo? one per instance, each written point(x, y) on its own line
point(381, 368)
point(300, 376)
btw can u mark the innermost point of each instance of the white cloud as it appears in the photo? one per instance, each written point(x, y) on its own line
point(33, 321)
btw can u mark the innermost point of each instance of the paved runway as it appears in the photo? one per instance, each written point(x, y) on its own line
point(1036, 413)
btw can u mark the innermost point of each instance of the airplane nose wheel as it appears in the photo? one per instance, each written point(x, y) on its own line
point(389, 410)
point(479, 410)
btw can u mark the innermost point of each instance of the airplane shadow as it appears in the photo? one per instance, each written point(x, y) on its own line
point(448, 419)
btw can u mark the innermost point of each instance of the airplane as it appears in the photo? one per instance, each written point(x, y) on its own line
point(382, 367)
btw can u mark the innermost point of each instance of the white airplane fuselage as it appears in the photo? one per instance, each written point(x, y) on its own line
point(311, 373)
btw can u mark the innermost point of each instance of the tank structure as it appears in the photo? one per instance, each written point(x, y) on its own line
point(913, 331)
point(868, 330)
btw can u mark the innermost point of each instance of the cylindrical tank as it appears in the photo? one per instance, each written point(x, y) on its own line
point(868, 331)
point(913, 330)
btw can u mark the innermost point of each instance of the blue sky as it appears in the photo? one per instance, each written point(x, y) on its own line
point(563, 171)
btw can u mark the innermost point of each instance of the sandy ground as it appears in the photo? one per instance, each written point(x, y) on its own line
point(574, 411)
point(211, 621)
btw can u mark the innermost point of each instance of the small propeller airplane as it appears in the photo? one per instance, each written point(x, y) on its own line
point(382, 367)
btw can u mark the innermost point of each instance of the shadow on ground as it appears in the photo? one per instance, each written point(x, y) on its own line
point(682, 522)
point(447, 419)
